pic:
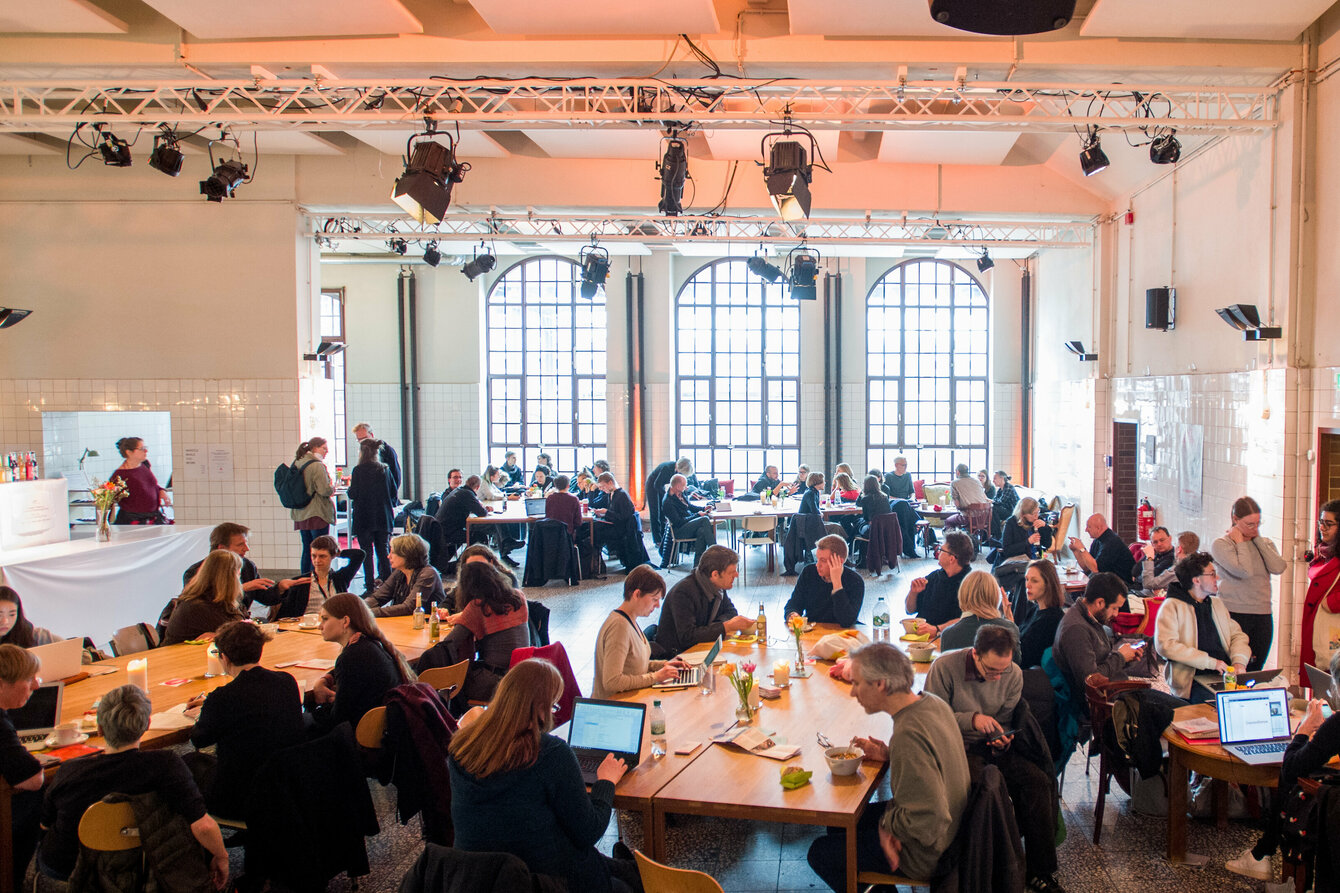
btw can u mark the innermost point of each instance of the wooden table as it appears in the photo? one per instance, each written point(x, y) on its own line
point(513, 511)
point(399, 631)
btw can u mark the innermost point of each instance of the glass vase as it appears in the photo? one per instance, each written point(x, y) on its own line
point(104, 524)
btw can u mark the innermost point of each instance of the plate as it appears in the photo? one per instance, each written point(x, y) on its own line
point(742, 640)
point(308, 625)
point(51, 741)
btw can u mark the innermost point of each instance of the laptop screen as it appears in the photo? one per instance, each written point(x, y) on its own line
point(41, 712)
point(606, 725)
point(535, 507)
point(1253, 715)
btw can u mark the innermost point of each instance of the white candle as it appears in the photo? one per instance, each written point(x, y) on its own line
point(212, 665)
point(137, 673)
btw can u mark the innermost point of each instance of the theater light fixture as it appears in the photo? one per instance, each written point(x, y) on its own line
point(1092, 159)
point(674, 170)
point(768, 272)
point(804, 271)
point(397, 245)
point(1165, 149)
point(789, 172)
point(166, 155)
point(985, 262)
point(10, 316)
point(1246, 319)
point(115, 151)
point(431, 255)
point(1077, 348)
point(227, 176)
point(595, 263)
point(479, 265)
point(423, 191)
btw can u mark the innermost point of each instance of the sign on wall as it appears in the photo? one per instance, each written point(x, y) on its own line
point(1190, 468)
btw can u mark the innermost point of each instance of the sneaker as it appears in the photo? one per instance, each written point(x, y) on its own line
point(1248, 865)
point(621, 851)
point(1045, 884)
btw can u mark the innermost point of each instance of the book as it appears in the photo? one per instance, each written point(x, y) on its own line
point(1197, 730)
point(754, 741)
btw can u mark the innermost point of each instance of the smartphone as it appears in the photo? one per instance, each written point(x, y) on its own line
point(1005, 734)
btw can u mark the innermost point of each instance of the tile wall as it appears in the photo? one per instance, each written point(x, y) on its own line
point(451, 425)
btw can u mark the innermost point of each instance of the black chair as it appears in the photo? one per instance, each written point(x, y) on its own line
point(440, 552)
point(441, 868)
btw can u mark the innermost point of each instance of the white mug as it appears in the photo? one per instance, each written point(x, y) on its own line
point(310, 620)
point(67, 732)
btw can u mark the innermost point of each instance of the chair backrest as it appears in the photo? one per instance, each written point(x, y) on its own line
point(1137, 551)
point(109, 827)
point(979, 517)
point(760, 524)
point(1062, 529)
point(371, 728)
point(133, 639)
point(919, 489)
point(444, 679)
point(557, 655)
point(1100, 693)
point(658, 878)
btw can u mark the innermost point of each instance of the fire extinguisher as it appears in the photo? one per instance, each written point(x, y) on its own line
point(1144, 520)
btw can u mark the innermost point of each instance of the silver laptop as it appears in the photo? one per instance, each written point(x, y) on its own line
point(38, 718)
point(1254, 724)
point(60, 660)
point(689, 676)
point(535, 506)
point(598, 728)
point(1320, 682)
point(1215, 681)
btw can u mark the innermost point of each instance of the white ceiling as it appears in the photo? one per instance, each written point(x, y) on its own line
point(932, 147)
point(471, 144)
point(867, 18)
point(57, 17)
point(598, 143)
point(12, 144)
point(288, 142)
point(1204, 19)
point(667, 17)
point(287, 18)
point(744, 145)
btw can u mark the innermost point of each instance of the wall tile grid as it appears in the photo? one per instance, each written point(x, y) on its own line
point(451, 428)
point(257, 420)
point(1065, 460)
point(1005, 433)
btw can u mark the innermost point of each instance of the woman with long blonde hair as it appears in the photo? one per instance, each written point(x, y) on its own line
point(980, 599)
point(516, 788)
point(211, 599)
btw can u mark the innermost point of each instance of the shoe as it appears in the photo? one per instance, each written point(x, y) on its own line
point(620, 850)
point(510, 561)
point(790, 574)
point(1045, 884)
point(1248, 865)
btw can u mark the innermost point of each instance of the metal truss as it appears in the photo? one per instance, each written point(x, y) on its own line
point(637, 103)
point(650, 230)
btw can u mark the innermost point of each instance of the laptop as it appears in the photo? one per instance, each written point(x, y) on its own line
point(598, 728)
point(689, 676)
point(38, 718)
point(60, 660)
point(1320, 682)
point(535, 506)
point(1254, 725)
point(1215, 681)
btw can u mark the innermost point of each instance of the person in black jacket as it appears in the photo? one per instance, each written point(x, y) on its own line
point(515, 476)
point(542, 465)
point(307, 593)
point(771, 480)
point(622, 530)
point(809, 499)
point(372, 505)
point(828, 591)
point(1025, 535)
point(458, 505)
point(1107, 553)
point(697, 608)
point(1038, 632)
point(368, 666)
point(1004, 498)
point(685, 520)
point(20, 769)
point(248, 719)
point(385, 452)
point(232, 537)
point(934, 597)
point(657, 481)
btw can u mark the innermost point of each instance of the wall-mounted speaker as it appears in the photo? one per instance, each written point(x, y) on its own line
point(1161, 308)
point(1004, 16)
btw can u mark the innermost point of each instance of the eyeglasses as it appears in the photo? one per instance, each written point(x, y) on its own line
point(1327, 525)
point(557, 707)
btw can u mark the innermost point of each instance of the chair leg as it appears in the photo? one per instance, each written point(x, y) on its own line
point(1101, 800)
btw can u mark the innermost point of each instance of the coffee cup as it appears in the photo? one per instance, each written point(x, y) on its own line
point(310, 621)
point(66, 733)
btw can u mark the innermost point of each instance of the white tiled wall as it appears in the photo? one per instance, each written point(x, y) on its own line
point(451, 428)
point(1065, 461)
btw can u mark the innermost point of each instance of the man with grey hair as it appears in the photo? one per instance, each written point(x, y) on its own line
point(123, 716)
point(685, 520)
point(928, 776)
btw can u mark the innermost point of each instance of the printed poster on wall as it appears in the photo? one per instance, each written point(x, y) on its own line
point(1190, 465)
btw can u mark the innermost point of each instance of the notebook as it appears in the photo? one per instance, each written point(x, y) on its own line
point(598, 728)
point(60, 660)
point(1254, 725)
point(689, 676)
point(37, 719)
point(535, 506)
point(1320, 682)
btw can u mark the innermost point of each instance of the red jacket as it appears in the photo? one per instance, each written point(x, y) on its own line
point(1323, 576)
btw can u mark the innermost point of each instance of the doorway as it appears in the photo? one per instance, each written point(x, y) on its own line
point(1328, 465)
point(1125, 479)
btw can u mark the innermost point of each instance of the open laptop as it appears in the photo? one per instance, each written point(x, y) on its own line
point(1215, 681)
point(689, 676)
point(1320, 682)
point(598, 728)
point(1254, 724)
point(535, 506)
point(38, 718)
point(60, 660)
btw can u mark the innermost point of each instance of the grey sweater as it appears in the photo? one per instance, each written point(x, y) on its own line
point(955, 680)
point(1244, 573)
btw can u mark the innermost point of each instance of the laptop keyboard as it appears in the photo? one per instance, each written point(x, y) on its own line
point(1258, 749)
point(589, 762)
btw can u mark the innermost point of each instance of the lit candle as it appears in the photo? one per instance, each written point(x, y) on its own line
point(781, 671)
point(137, 674)
point(212, 665)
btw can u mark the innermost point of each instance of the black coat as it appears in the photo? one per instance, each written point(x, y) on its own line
point(294, 602)
point(456, 507)
point(372, 499)
point(656, 481)
point(625, 531)
point(677, 511)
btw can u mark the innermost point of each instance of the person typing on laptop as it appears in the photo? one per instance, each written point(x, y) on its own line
point(18, 681)
point(1195, 631)
point(623, 654)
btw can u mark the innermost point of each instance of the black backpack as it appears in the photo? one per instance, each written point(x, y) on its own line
point(291, 485)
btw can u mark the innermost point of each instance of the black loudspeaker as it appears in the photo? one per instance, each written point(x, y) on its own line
point(1004, 16)
point(1160, 308)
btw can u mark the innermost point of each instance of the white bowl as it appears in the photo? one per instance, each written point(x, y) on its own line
point(846, 766)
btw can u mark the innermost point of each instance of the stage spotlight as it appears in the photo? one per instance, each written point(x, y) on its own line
point(1077, 348)
point(985, 262)
point(12, 317)
point(788, 175)
point(595, 262)
point(227, 176)
point(804, 272)
point(768, 272)
point(1246, 319)
point(431, 256)
point(479, 265)
point(424, 190)
point(1092, 159)
point(1165, 149)
point(115, 151)
point(166, 157)
point(398, 246)
point(674, 168)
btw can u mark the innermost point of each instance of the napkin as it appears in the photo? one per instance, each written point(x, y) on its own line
point(915, 637)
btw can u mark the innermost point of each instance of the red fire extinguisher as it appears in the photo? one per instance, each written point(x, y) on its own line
point(1144, 520)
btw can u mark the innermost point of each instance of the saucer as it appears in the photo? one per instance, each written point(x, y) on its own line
point(51, 742)
point(308, 625)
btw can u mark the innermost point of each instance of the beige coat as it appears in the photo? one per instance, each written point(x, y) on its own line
point(1175, 641)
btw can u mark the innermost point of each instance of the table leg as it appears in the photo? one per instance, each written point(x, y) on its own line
point(1178, 782)
point(6, 839)
point(851, 855)
point(654, 834)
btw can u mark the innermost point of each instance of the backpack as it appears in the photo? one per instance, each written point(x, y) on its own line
point(291, 485)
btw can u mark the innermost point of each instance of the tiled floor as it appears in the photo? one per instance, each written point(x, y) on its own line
point(761, 856)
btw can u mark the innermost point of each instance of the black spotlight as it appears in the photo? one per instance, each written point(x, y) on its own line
point(9, 316)
point(431, 256)
point(115, 151)
point(788, 175)
point(985, 262)
point(1012, 17)
point(1092, 159)
point(424, 190)
point(1077, 348)
point(674, 168)
point(804, 272)
point(1165, 149)
point(479, 265)
point(595, 263)
point(227, 176)
point(398, 246)
point(768, 272)
point(166, 157)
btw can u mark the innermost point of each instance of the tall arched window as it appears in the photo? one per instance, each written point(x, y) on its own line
point(927, 370)
point(738, 365)
point(546, 366)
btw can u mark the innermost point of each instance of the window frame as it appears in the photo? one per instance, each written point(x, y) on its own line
point(339, 374)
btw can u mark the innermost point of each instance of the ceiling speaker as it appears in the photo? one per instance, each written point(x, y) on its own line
point(1004, 16)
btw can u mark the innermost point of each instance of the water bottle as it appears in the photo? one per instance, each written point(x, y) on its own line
point(420, 619)
point(434, 625)
point(880, 621)
point(657, 730)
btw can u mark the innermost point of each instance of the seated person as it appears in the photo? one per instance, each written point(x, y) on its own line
point(980, 603)
point(492, 624)
point(20, 769)
point(211, 599)
point(368, 666)
point(16, 629)
point(1155, 571)
point(810, 496)
point(928, 780)
point(247, 720)
point(456, 507)
point(982, 684)
point(898, 483)
point(697, 608)
point(771, 480)
point(873, 502)
point(1082, 645)
point(622, 527)
point(933, 599)
point(122, 768)
point(799, 484)
point(1194, 629)
point(964, 491)
point(454, 601)
point(305, 594)
point(563, 506)
point(1004, 498)
point(543, 475)
point(900, 506)
point(1043, 589)
point(233, 538)
point(1025, 536)
point(491, 485)
point(516, 788)
point(987, 487)
point(685, 520)
point(515, 476)
point(1107, 553)
point(623, 654)
point(590, 492)
point(454, 479)
point(411, 575)
point(828, 591)
point(844, 483)
point(844, 491)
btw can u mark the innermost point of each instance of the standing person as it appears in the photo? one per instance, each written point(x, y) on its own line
point(19, 769)
point(1321, 628)
point(386, 453)
point(313, 519)
point(411, 574)
point(1245, 561)
point(211, 599)
point(828, 591)
point(372, 505)
point(1043, 589)
point(16, 629)
point(144, 499)
point(1195, 631)
point(623, 654)
point(368, 666)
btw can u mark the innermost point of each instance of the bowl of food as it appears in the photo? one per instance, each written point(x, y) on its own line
point(843, 760)
point(920, 652)
point(910, 625)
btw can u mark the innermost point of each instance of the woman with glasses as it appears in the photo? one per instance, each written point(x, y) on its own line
point(516, 788)
point(1245, 561)
point(1321, 605)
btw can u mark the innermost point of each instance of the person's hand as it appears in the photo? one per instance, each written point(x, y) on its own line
point(1035, 540)
point(285, 585)
point(1127, 652)
point(1005, 610)
point(1075, 544)
point(665, 673)
point(164, 497)
point(454, 619)
point(1002, 742)
point(258, 583)
point(1236, 535)
point(918, 585)
point(1038, 523)
point(1220, 666)
point(738, 622)
point(600, 513)
point(611, 769)
point(1149, 551)
point(1239, 669)
point(218, 870)
point(924, 628)
point(322, 692)
point(893, 850)
point(1312, 720)
point(986, 725)
point(871, 749)
point(195, 703)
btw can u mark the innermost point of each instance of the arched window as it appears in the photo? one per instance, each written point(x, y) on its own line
point(738, 365)
point(927, 355)
point(546, 366)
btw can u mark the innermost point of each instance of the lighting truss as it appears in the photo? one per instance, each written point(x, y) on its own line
point(624, 103)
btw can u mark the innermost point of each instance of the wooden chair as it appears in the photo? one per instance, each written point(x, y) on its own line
point(1060, 535)
point(760, 531)
point(658, 878)
point(1101, 693)
point(446, 680)
point(109, 827)
point(979, 521)
point(874, 879)
point(371, 728)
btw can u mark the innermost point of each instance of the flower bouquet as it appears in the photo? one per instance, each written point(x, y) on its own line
point(104, 496)
point(797, 624)
point(742, 679)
